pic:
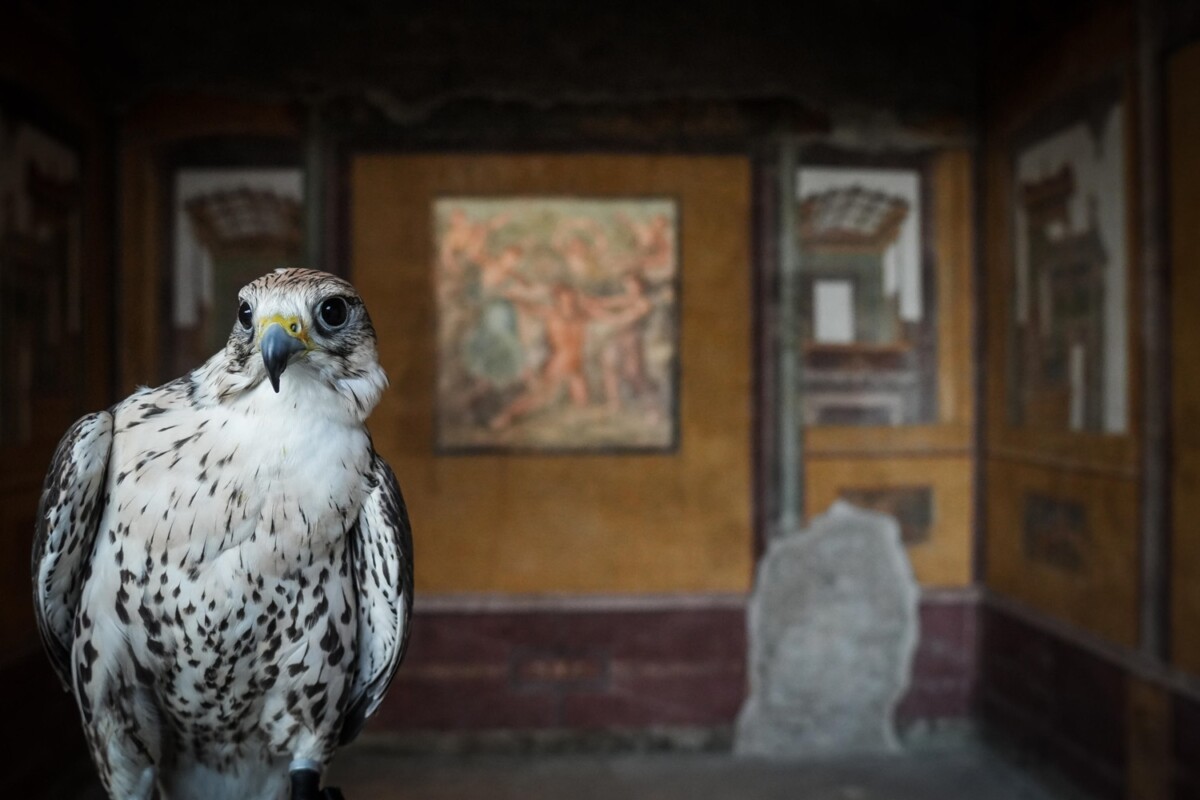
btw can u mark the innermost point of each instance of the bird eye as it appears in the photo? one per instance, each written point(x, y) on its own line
point(333, 312)
point(245, 315)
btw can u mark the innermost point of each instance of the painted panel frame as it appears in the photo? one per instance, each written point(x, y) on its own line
point(1063, 508)
point(1067, 545)
point(931, 497)
point(922, 473)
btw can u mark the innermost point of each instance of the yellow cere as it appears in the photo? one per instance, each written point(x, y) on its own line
point(292, 325)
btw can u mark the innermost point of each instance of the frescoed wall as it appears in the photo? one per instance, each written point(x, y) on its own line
point(885, 259)
point(869, 341)
point(1069, 358)
point(1063, 502)
point(583, 522)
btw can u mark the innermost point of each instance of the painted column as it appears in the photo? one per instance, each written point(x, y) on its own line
point(791, 462)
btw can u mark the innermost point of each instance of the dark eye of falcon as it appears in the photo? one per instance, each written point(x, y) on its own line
point(245, 315)
point(333, 312)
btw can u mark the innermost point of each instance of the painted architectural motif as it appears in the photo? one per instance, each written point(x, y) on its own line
point(1068, 359)
point(866, 311)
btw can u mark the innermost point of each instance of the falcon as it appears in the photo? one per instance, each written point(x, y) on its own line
point(222, 567)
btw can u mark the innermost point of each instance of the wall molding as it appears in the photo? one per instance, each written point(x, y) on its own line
point(441, 603)
point(566, 603)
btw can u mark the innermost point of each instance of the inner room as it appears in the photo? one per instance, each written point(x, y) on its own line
point(787, 400)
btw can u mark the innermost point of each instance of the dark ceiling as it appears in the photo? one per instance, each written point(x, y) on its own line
point(917, 58)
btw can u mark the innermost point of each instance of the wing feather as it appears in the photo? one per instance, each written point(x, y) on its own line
point(73, 499)
point(381, 559)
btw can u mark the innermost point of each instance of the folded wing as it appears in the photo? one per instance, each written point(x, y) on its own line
point(381, 560)
point(73, 499)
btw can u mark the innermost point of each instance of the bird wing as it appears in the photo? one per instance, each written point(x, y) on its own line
point(381, 561)
point(73, 499)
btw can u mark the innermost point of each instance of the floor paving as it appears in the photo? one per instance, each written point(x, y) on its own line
point(969, 773)
point(377, 770)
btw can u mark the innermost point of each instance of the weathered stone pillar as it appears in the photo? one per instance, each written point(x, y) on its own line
point(833, 627)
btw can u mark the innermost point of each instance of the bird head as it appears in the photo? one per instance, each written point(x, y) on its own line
point(311, 321)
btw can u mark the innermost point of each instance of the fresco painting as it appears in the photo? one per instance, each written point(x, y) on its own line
point(912, 506)
point(1068, 344)
point(557, 323)
point(866, 310)
point(1056, 532)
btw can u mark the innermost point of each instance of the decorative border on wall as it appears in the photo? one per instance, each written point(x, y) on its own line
point(1062, 541)
point(929, 496)
point(1055, 532)
point(680, 664)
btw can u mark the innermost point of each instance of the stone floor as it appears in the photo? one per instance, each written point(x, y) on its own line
point(970, 772)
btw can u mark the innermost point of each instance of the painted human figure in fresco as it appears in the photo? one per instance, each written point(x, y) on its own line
point(554, 317)
point(583, 247)
point(465, 242)
point(565, 319)
point(655, 243)
point(622, 354)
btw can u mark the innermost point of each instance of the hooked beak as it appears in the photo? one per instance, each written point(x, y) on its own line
point(278, 344)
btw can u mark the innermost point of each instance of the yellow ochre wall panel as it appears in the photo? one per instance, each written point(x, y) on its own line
point(943, 559)
point(1062, 499)
point(934, 458)
point(664, 523)
point(1069, 544)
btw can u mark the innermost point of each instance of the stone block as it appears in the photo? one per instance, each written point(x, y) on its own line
point(833, 626)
